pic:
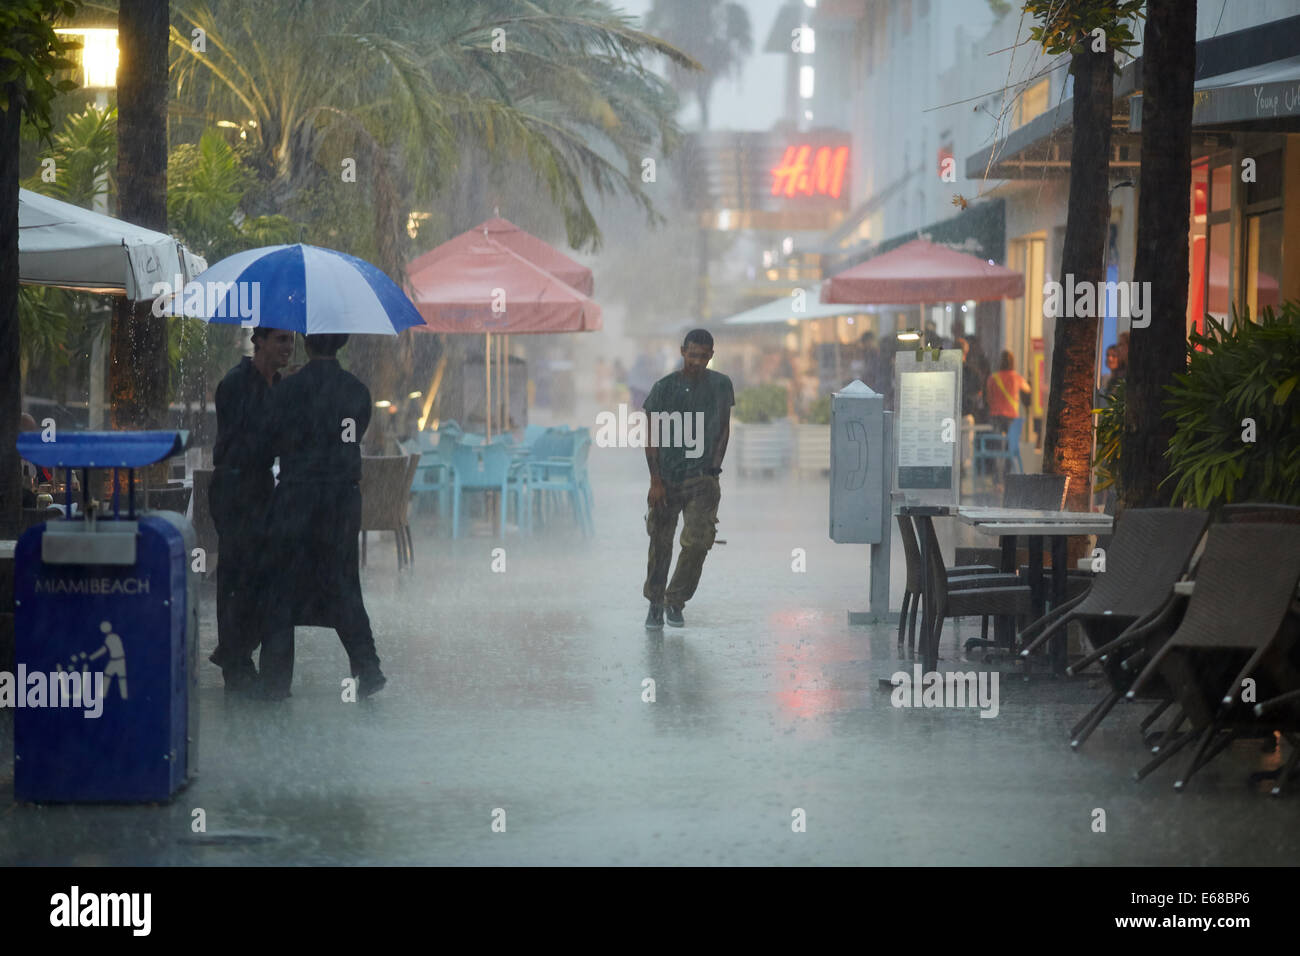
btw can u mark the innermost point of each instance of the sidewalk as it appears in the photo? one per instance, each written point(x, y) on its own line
point(522, 691)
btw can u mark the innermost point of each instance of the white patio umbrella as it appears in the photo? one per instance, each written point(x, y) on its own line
point(63, 245)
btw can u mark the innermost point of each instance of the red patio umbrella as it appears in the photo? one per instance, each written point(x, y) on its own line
point(517, 241)
point(920, 271)
point(486, 288)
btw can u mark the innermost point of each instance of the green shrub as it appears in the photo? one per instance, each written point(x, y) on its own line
point(1248, 372)
point(819, 413)
point(1110, 432)
point(761, 403)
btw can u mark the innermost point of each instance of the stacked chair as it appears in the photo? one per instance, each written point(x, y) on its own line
point(1240, 631)
point(1150, 550)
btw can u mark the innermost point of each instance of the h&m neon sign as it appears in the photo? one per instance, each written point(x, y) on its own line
point(805, 172)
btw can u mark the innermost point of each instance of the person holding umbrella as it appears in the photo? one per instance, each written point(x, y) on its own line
point(314, 423)
point(238, 499)
point(315, 426)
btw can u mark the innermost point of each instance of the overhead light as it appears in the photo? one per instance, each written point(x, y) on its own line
point(909, 335)
point(420, 394)
point(98, 57)
point(383, 403)
point(806, 82)
point(227, 124)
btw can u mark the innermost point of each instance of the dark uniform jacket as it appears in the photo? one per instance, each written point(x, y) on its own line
point(242, 482)
point(315, 426)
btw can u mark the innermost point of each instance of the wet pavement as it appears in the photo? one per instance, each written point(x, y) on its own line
point(516, 697)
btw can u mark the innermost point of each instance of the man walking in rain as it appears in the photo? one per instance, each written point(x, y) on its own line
point(239, 500)
point(690, 422)
point(318, 416)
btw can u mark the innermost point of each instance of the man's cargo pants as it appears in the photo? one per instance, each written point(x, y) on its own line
point(696, 500)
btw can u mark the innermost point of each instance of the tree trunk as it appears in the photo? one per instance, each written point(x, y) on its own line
point(1158, 352)
point(1067, 445)
point(138, 367)
point(11, 392)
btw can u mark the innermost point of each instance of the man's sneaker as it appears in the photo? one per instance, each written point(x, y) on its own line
point(654, 621)
point(370, 681)
point(675, 618)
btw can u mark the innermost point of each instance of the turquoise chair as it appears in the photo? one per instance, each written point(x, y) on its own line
point(994, 446)
point(488, 468)
point(566, 475)
point(437, 475)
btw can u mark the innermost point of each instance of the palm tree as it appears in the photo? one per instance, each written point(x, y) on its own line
point(401, 90)
point(716, 33)
point(1158, 353)
point(139, 372)
point(30, 54)
point(1066, 26)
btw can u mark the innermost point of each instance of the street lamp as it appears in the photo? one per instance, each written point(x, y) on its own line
point(99, 56)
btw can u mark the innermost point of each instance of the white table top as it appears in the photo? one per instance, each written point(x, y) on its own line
point(1027, 521)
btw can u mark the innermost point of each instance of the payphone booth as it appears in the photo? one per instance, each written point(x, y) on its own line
point(106, 633)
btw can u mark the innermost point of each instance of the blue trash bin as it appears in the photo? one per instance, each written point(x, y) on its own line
point(106, 622)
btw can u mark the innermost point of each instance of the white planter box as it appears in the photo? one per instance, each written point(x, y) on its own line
point(765, 448)
point(812, 445)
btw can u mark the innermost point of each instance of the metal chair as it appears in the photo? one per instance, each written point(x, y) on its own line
point(996, 446)
point(385, 501)
point(1241, 622)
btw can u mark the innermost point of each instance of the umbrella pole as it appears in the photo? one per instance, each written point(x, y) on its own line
point(505, 342)
point(487, 382)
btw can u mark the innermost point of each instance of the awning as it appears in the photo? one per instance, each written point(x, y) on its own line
point(783, 310)
point(63, 245)
point(1263, 93)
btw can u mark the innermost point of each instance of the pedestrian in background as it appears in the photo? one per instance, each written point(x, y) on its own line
point(1003, 392)
point(685, 484)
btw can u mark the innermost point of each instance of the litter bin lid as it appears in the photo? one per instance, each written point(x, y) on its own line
point(101, 449)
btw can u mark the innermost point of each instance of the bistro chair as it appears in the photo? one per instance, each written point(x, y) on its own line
point(1039, 492)
point(916, 582)
point(995, 446)
point(964, 596)
point(1150, 550)
point(489, 468)
point(1240, 623)
point(385, 501)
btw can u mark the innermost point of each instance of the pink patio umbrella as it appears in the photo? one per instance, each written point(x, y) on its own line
point(486, 288)
point(517, 241)
point(920, 271)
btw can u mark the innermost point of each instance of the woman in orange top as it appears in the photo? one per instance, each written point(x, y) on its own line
point(1003, 391)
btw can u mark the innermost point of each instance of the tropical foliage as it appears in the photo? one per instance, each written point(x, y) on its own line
point(1110, 434)
point(1237, 411)
point(716, 33)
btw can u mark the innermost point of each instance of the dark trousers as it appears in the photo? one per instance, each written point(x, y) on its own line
point(238, 510)
point(696, 500)
point(314, 532)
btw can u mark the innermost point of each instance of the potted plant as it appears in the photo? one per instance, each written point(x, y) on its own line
point(812, 439)
point(1238, 412)
point(761, 434)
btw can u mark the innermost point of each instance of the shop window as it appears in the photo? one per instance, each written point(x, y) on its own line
point(1221, 189)
point(1220, 261)
point(1032, 102)
point(1263, 261)
point(1268, 179)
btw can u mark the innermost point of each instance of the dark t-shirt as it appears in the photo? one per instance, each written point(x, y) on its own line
point(683, 451)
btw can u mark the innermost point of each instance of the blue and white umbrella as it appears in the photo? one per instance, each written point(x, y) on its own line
point(302, 288)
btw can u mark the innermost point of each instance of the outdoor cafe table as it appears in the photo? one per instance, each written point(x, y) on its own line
point(1011, 523)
